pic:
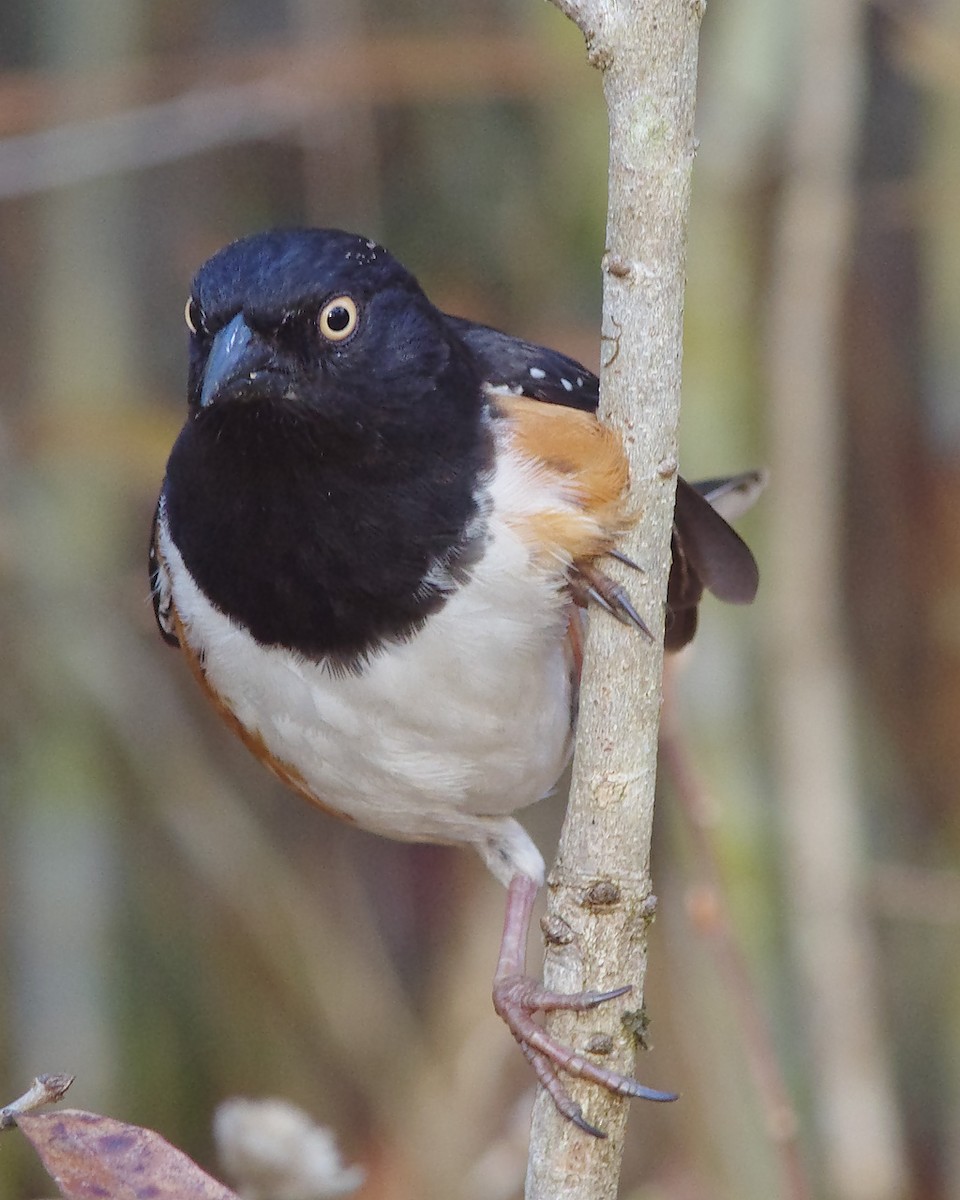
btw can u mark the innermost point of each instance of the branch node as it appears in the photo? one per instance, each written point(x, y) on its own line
point(617, 266)
point(648, 908)
point(597, 56)
point(555, 930)
point(599, 1043)
point(636, 1023)
point(602, 894)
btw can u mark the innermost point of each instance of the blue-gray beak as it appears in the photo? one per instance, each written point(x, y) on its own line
point(226, 358)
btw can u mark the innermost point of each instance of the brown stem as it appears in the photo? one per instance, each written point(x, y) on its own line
point(45, 1089)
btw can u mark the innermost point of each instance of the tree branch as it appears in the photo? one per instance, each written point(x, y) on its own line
point(600, 894)
point(45, 1089)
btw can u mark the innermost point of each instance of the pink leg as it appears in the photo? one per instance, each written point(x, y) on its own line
point(516, 997)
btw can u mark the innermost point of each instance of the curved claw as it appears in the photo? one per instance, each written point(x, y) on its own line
point(516, 999)
point(566, 1105)
point(626, 560)
point(592, 999)
point(625, 612)
point(581, 1122)
point(603, 590)
point(645, 1093)
point(525, 993)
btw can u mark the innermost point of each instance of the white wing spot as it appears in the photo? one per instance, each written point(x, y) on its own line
point(537, 373)
point(567, 385)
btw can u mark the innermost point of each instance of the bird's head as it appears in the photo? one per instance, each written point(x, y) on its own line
point(325, 329)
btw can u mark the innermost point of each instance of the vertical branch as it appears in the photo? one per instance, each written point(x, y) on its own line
point(860, 1134)
point(600, 895)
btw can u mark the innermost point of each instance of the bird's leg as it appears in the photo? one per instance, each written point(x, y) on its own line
point(516, 997)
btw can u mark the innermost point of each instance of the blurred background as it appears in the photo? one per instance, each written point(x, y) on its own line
point(174, 928)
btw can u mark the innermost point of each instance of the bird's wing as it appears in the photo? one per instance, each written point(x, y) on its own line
point(510, 364)
point(707, 553)
point(160, 590)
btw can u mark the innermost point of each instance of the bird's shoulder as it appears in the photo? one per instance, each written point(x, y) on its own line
point(512, 365)
point(546, 405)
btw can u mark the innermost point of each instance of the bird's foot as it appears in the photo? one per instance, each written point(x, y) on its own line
point(516, 998)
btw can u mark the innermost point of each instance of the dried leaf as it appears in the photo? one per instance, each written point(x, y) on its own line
point(93, 1156)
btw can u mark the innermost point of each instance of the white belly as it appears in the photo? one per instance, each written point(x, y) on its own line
point(469, 718)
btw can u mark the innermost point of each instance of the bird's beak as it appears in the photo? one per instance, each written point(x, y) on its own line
point(238, 365)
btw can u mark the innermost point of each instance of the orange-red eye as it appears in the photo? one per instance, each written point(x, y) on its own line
point(338, 318)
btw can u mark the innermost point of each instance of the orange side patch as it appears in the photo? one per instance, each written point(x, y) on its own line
point(586, 458)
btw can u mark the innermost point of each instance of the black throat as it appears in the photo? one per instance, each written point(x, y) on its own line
point(326, 541)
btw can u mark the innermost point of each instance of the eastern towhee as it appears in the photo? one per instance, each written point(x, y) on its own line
point(377, 530)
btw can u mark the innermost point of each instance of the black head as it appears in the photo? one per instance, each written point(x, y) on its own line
point(316, 322)
point(335, 436)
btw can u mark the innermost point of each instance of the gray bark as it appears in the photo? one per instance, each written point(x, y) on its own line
point(600, 892)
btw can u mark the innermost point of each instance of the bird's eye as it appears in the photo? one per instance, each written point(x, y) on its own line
point(338, 318)
point(193, 315)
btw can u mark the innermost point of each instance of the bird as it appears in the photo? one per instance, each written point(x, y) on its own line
point(377, 533)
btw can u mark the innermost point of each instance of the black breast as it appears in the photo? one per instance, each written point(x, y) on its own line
point(326, 541)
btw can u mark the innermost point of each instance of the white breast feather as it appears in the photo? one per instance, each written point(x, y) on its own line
point(442, 735)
